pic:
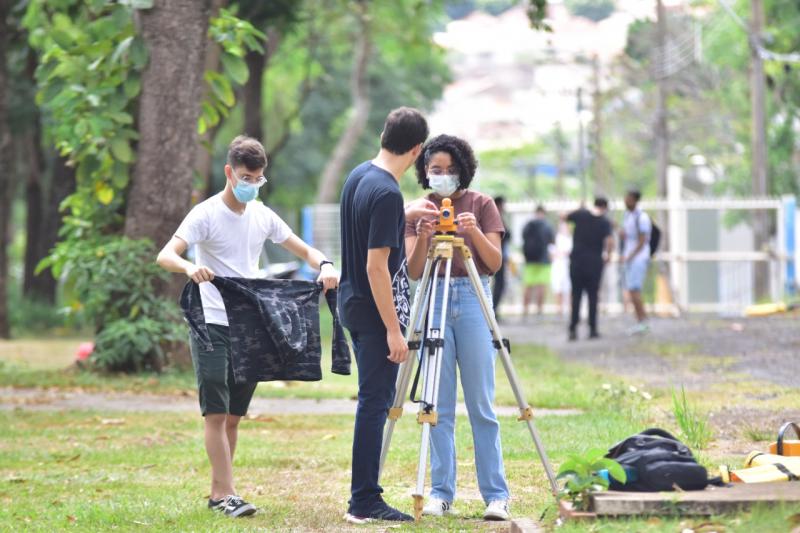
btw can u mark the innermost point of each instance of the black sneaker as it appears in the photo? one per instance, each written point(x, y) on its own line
point(573, 336)
point(594, 335)
point(216, 505)
point(235, 507)
point(380, 511)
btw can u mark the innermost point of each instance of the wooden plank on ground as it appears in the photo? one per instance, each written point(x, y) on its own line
point(714, 500)
point(525, 525)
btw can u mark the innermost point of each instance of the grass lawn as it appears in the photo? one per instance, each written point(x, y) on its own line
point(96, 471)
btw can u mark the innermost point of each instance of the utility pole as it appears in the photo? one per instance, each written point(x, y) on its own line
point(599, 167)
point(581, 149)
point(558, 140)
point(758, 139)
point(662, 128)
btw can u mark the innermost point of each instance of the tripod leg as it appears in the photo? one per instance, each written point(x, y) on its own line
point(432, 368)
point(525, 409)
point(413, 335)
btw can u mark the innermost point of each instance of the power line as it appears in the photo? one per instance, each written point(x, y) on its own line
point(755, 40)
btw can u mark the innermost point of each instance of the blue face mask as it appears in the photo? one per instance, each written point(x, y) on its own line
point(246, 192)
point(443, 184)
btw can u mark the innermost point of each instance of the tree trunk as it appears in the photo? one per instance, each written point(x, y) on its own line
point(203, 162)
point(62, 185)
point(6, 174)
point(251, 95)
point(169, 107)
point(359, 113)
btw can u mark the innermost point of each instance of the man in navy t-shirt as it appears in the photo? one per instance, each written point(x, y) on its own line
point(374, 296)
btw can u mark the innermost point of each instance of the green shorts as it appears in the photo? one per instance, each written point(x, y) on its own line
point(216, 388)
point(536, 274)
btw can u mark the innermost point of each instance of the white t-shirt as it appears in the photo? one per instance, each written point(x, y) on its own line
point(228, 243)
point(632, 233)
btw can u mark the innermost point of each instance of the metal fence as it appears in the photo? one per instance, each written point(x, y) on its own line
point(707, 259)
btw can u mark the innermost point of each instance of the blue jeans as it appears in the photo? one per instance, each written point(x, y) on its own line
point(468, 344)
point(376, 386)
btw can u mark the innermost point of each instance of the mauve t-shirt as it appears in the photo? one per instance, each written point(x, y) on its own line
point(487, 217)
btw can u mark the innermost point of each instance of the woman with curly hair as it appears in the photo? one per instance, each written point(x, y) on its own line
point(447, 165)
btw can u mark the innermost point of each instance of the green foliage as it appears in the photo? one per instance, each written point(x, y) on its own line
point(595, 10)
point(694, 426)
point(89, 77)
point(306, 92)
point(581, 475)
point(236, 37)
point(112, 283)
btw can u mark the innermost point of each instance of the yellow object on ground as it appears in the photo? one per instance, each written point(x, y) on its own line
point(764, 468)
point(774, 308)
point(784, 446)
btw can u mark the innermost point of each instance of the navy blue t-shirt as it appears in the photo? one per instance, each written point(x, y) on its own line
point(372, 216)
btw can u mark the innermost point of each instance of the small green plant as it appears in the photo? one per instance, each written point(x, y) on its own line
point(582, 476)
point(694, 425)
point(757, 434)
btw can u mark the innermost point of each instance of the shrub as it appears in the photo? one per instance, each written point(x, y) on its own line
point(114, 284)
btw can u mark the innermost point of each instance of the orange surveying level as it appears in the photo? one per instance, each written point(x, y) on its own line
point(447, 218)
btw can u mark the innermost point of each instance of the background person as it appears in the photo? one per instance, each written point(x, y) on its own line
point(447, 166)
point(537, 236)
point(499, 285)
point(592, 245)
point(635, 235)
point(560, 282)
point(373, 298)
point(229, 231)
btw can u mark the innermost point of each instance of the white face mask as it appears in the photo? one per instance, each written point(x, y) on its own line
point(443, 184)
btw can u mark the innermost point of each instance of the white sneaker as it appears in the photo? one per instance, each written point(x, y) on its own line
point(438, 507)
point(640, 328)
point(497, 510)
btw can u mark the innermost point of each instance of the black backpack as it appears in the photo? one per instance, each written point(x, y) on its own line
point(657, 462)
point(655, 235)
point(534, 245)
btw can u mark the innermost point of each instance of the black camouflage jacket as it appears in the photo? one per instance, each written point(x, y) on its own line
point(274, 328)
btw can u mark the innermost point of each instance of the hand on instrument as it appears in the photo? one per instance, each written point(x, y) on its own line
point(425, 228)
point(467, 223)
point(421, 208)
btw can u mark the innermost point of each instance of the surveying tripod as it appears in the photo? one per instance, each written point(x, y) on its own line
point(430, 351)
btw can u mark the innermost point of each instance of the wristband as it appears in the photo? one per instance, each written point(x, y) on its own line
point(325, 262)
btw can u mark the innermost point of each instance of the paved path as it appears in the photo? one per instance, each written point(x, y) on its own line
point(697, 351)
point(55, 400)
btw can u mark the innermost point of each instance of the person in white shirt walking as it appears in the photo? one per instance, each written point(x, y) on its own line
point(635, 235)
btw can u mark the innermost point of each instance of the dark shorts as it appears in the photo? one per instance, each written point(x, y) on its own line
point(216, 388)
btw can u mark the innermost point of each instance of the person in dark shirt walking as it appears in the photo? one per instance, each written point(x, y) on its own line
point(591, 250)
point(374, 296)
point(537, 237)
point(499, 286)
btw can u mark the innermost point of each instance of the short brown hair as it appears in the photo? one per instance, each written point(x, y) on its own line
point(405, 128)
point(248, 152)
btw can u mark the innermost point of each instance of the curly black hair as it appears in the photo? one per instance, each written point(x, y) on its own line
point(461, 153)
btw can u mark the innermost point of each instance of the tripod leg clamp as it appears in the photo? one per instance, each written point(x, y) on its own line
point(506, 343)
point(395, 413)
point(431, 418)
point(418, 506)
point(525, 414)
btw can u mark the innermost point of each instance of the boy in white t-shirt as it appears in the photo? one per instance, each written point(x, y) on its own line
point(229, 231)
